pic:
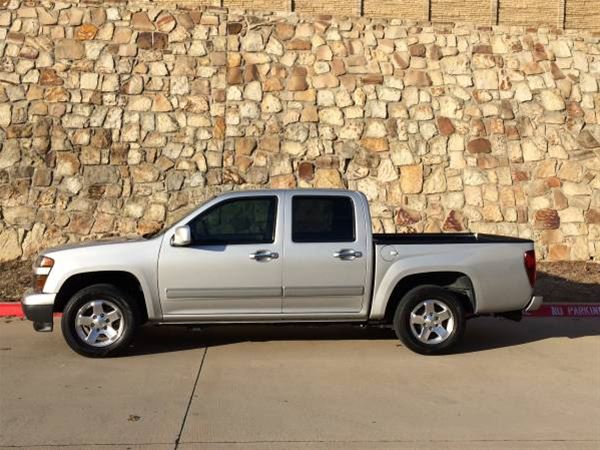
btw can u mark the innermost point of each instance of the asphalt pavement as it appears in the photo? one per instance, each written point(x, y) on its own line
point(528, 385)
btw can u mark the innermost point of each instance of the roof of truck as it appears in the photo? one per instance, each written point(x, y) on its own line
point(307, 191)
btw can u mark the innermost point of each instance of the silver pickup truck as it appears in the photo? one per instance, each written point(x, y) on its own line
point(281, 256)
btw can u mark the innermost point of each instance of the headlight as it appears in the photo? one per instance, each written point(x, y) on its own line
point(41, 269)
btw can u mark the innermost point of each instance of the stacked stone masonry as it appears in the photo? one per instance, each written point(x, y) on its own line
point(583, 14)
point(345, 8)
point(115, 120)
point(408, 9)
point(570, 14)
point(519, 12)
point(477, 11)
point(273, 5)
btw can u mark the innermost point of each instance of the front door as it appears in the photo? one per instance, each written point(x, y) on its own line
point(325, 266)
point(233, 265)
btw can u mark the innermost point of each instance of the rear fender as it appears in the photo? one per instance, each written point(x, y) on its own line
point(425, 264)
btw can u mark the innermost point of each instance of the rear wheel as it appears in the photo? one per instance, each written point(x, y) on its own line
point(99, 320)
point(430, 320)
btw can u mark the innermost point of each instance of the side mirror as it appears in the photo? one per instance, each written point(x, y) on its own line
point(182, 236)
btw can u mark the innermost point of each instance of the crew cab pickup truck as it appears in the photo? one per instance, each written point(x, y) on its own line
point(281, 256)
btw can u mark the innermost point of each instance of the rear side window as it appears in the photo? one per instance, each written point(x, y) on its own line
point(322, 219)
point(238, 221)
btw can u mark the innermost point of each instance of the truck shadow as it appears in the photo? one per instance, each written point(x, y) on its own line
point(483, 334)
point(489, 333)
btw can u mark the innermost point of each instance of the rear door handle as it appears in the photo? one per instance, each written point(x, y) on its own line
point(264, 255)
point(347, 254)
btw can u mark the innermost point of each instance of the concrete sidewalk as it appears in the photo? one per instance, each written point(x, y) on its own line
point(534, 384)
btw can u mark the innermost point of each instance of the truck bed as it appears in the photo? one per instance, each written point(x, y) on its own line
point(443, 238)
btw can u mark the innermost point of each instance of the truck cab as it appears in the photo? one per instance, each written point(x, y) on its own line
point(275, 255)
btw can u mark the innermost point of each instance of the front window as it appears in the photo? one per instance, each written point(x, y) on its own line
point(248, 220)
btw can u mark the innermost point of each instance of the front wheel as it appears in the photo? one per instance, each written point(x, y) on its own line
point(99, 320)
point(429, 320)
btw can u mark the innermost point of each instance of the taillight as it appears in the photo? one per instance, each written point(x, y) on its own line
point(529, 261)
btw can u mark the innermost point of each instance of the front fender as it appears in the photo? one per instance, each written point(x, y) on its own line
point(137, 258)
point(150, 298)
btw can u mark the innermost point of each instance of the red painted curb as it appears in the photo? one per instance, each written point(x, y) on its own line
point(13, 309)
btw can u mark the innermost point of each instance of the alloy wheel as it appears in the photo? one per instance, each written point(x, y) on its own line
point(431, 322)
point(99, 323)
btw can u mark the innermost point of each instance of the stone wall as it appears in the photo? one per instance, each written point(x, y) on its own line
point(115, 119)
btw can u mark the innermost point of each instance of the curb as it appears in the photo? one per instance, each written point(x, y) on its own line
point(567, 310)
point(13, 309)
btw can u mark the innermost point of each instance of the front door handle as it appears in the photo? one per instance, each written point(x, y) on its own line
point(347, 254)
point(264, 255)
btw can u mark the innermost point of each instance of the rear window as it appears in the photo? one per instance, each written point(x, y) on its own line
point(322, 219)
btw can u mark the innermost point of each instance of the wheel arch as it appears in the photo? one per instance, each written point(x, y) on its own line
point(454, 281)
point(126, 281)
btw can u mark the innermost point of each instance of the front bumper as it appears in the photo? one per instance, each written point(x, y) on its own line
point(534, 304)
point(39, 308)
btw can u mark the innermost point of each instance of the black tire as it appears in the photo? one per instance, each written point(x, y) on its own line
point(409, 302)
point(105, 292)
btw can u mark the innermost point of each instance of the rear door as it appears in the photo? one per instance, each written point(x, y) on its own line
point(325, 264)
